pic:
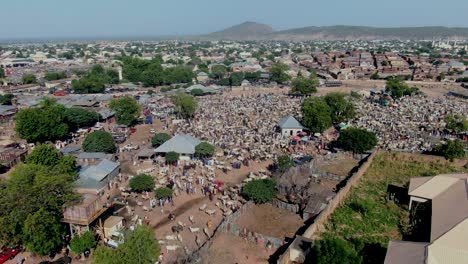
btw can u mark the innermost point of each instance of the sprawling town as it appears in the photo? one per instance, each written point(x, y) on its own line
point(234, 151)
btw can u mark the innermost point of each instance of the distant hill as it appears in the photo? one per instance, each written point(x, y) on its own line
point(256, 31)
point(246, 30)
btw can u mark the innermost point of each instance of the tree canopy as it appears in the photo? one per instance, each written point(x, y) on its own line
point(172, 157)
point(204, 150)
point(45, 155)
point(2, 73)
point(43, 123)
point(278, 73)
point(127, 110)
point(95, 80)
point(398, 88)
point(451, 150)
point(218, 71)
point(99, 141)
point(305, 85)
point(317, 114)
point(151, 73)
point(163, 193)
point(79, 244)
point(260, 191)
point(357, 140)
point(6, 99)
point(159, 139)
point(52, 76)
point(456, 123)
point(142, 182)
point(185, 105)
point(140, 247)
point(78, 117)
point(342, 108)
point(32, 201)
point(334, 251)
point(29, 79)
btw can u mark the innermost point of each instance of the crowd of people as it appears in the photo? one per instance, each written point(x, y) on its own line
point(413, 123)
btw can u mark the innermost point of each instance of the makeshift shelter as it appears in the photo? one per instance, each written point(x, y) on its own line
point(82, 215)
point(95, 178)
point(112, 224)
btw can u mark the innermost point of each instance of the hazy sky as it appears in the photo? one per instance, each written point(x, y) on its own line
point(102, 18)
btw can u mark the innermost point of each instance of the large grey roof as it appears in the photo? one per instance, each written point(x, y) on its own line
point(6, 108)
point(289, 123)
point(182, 144)
point(92, 177)
point(94, 155)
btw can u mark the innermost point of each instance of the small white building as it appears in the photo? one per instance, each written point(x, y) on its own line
point(112, 225)
point(289, 126)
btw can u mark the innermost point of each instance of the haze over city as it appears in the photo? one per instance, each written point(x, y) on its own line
point(121, 18)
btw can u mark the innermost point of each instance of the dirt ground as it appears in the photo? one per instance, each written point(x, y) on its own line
point(269, 220)
point(340, 167)
point(229, 249)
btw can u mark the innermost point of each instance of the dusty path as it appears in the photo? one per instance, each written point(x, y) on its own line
point(182, 209)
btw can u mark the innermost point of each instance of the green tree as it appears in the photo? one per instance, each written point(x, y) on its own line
point(2, 73)
point(52, 76)
point(172, 157)
point(6, 99)
point(357, 140)
point(67, 164)
point(80, 243)
point(278, 73)
point(218, 71)
point(185, 105)
point(29, 79)
point(99, 141)
point(451, 150)
point(42, 232)
point(236, 78)
point(142, 182)
point(126, 110)
point(284, 163)
point(45, 155)
point(260, 191)
point(398, 88)
point(456, 123)
point(78, 117)
point(375, 76)
point(342, 108)
point(43, 123)
point(204, 150)
point(304, 85)
point(163, 193)
point(140, 247)
point(317, 114)
point(334, 251)
point(28, 189)
point(159, 139)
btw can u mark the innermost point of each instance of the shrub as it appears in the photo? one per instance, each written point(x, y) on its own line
point(204, 149)
point(284, 163)
point(334, 251)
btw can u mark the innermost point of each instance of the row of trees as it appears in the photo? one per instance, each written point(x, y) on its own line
point(33, 198)
point(151, 73)
point(236, 78)
point(320, 113)
point(95, 80)
point(51, 121)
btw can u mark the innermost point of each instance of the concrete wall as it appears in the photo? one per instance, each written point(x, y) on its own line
point(318, 225)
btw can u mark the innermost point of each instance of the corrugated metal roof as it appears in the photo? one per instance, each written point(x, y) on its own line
point(289, 123)
point(182, 144)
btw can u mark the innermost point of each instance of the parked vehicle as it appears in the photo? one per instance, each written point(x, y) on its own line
point(9, 253)
point(116, 239)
